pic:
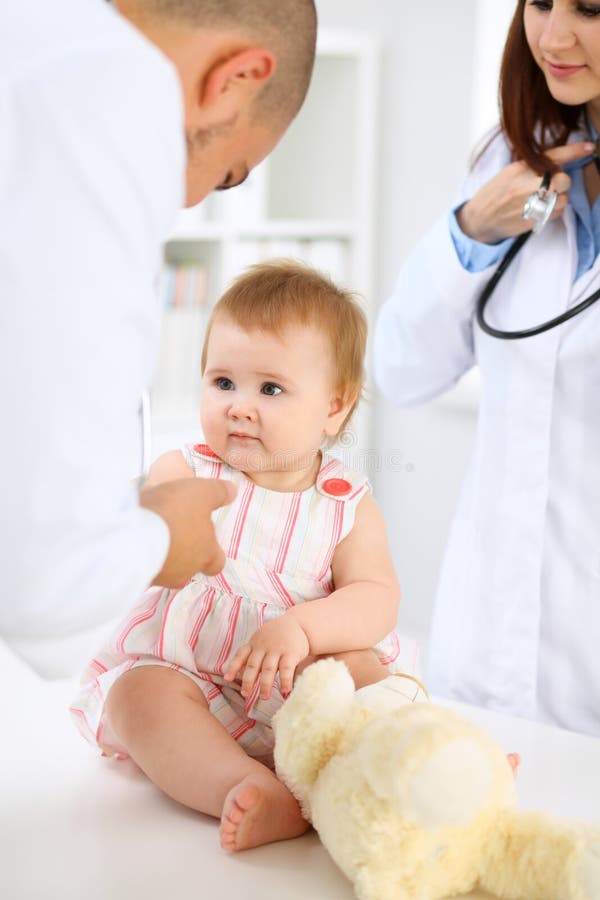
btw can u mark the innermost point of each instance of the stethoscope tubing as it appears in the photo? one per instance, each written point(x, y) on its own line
point(525, 332)
point(493, 282)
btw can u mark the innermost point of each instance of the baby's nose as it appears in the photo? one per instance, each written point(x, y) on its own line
point(242, 410)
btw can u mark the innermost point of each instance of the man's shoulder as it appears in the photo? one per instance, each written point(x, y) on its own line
point(104, 105)
point(37, 39)
point(97, 110)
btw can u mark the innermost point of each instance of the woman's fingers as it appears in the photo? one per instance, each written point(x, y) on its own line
point(561, 203)
point(495, 212)
point(560, 183)
point(570, 152)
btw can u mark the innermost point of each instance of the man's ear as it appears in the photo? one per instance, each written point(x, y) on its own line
point(230, 84)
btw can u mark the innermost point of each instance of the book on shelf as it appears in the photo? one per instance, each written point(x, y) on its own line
point(184, 286)
point(177, 379)
point(186, 304)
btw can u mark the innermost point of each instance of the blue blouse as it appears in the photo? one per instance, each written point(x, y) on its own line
point(475, 256)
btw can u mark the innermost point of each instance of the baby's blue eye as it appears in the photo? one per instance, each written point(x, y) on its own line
point(224, 384)
point(270, 389)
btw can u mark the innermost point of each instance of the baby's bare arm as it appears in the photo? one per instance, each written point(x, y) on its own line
point(358, 614)
point(170, 466)
point(364, 606)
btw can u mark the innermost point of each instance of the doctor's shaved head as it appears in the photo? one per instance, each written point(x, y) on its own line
point(288, 28)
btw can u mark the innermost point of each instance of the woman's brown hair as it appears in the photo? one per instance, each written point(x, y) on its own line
point(531, 119)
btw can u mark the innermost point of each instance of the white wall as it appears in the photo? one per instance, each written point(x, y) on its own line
point(438, 88)
point(493, 18)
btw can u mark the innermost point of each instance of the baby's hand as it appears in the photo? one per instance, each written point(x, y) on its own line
point(278, 646)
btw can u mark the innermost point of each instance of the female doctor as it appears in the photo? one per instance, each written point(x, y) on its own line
point(517, 619)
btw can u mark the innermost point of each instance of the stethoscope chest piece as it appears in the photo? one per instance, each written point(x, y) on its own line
point(539, 206)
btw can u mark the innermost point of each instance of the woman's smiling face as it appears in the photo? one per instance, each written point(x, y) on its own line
point(564, 39)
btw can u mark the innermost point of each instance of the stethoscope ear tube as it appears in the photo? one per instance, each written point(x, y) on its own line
point(526, 332)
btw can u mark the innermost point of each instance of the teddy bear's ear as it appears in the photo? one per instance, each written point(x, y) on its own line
point(309, 725)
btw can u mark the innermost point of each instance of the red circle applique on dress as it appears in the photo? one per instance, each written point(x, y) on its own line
point(205, 450)
point(337, 487)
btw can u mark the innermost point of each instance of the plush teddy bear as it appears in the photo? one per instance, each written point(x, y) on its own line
point(415, 802)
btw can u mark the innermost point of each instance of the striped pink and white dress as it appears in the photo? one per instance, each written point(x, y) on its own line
point(279, 548)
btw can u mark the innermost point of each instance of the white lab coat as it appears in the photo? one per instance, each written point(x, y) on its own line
point(517, 619)
point(91, 178)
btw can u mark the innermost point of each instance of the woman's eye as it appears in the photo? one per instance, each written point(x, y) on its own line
point(270, 389)
point(224, 384)
point(589, 11)
point(543, 5)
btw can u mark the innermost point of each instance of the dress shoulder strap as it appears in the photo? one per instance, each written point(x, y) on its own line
point(338, 483)
point(204, 462)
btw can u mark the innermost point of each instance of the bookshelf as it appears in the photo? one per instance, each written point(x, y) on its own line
point(313, 200)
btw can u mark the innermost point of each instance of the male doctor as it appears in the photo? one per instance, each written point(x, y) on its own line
point(112, 117)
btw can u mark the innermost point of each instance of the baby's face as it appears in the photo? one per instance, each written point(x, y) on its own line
point(268, 401)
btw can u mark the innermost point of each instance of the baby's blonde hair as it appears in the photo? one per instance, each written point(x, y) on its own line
point(272, 295)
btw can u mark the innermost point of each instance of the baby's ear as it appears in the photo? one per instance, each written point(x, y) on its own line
point(339, 408)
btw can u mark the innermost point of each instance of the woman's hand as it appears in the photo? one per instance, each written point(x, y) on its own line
point(496, 210)
point(278, 646)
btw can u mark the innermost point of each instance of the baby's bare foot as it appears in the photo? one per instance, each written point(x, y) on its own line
point(258, 812)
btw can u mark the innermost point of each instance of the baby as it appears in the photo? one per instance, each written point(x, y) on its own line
point(192, 678)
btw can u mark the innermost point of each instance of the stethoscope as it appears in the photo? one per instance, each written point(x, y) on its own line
point(538, 207)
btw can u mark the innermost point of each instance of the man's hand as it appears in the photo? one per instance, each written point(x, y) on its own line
point(186, 506)
point(278, 646)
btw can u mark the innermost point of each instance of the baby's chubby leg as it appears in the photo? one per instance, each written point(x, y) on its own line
point(162, 718)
